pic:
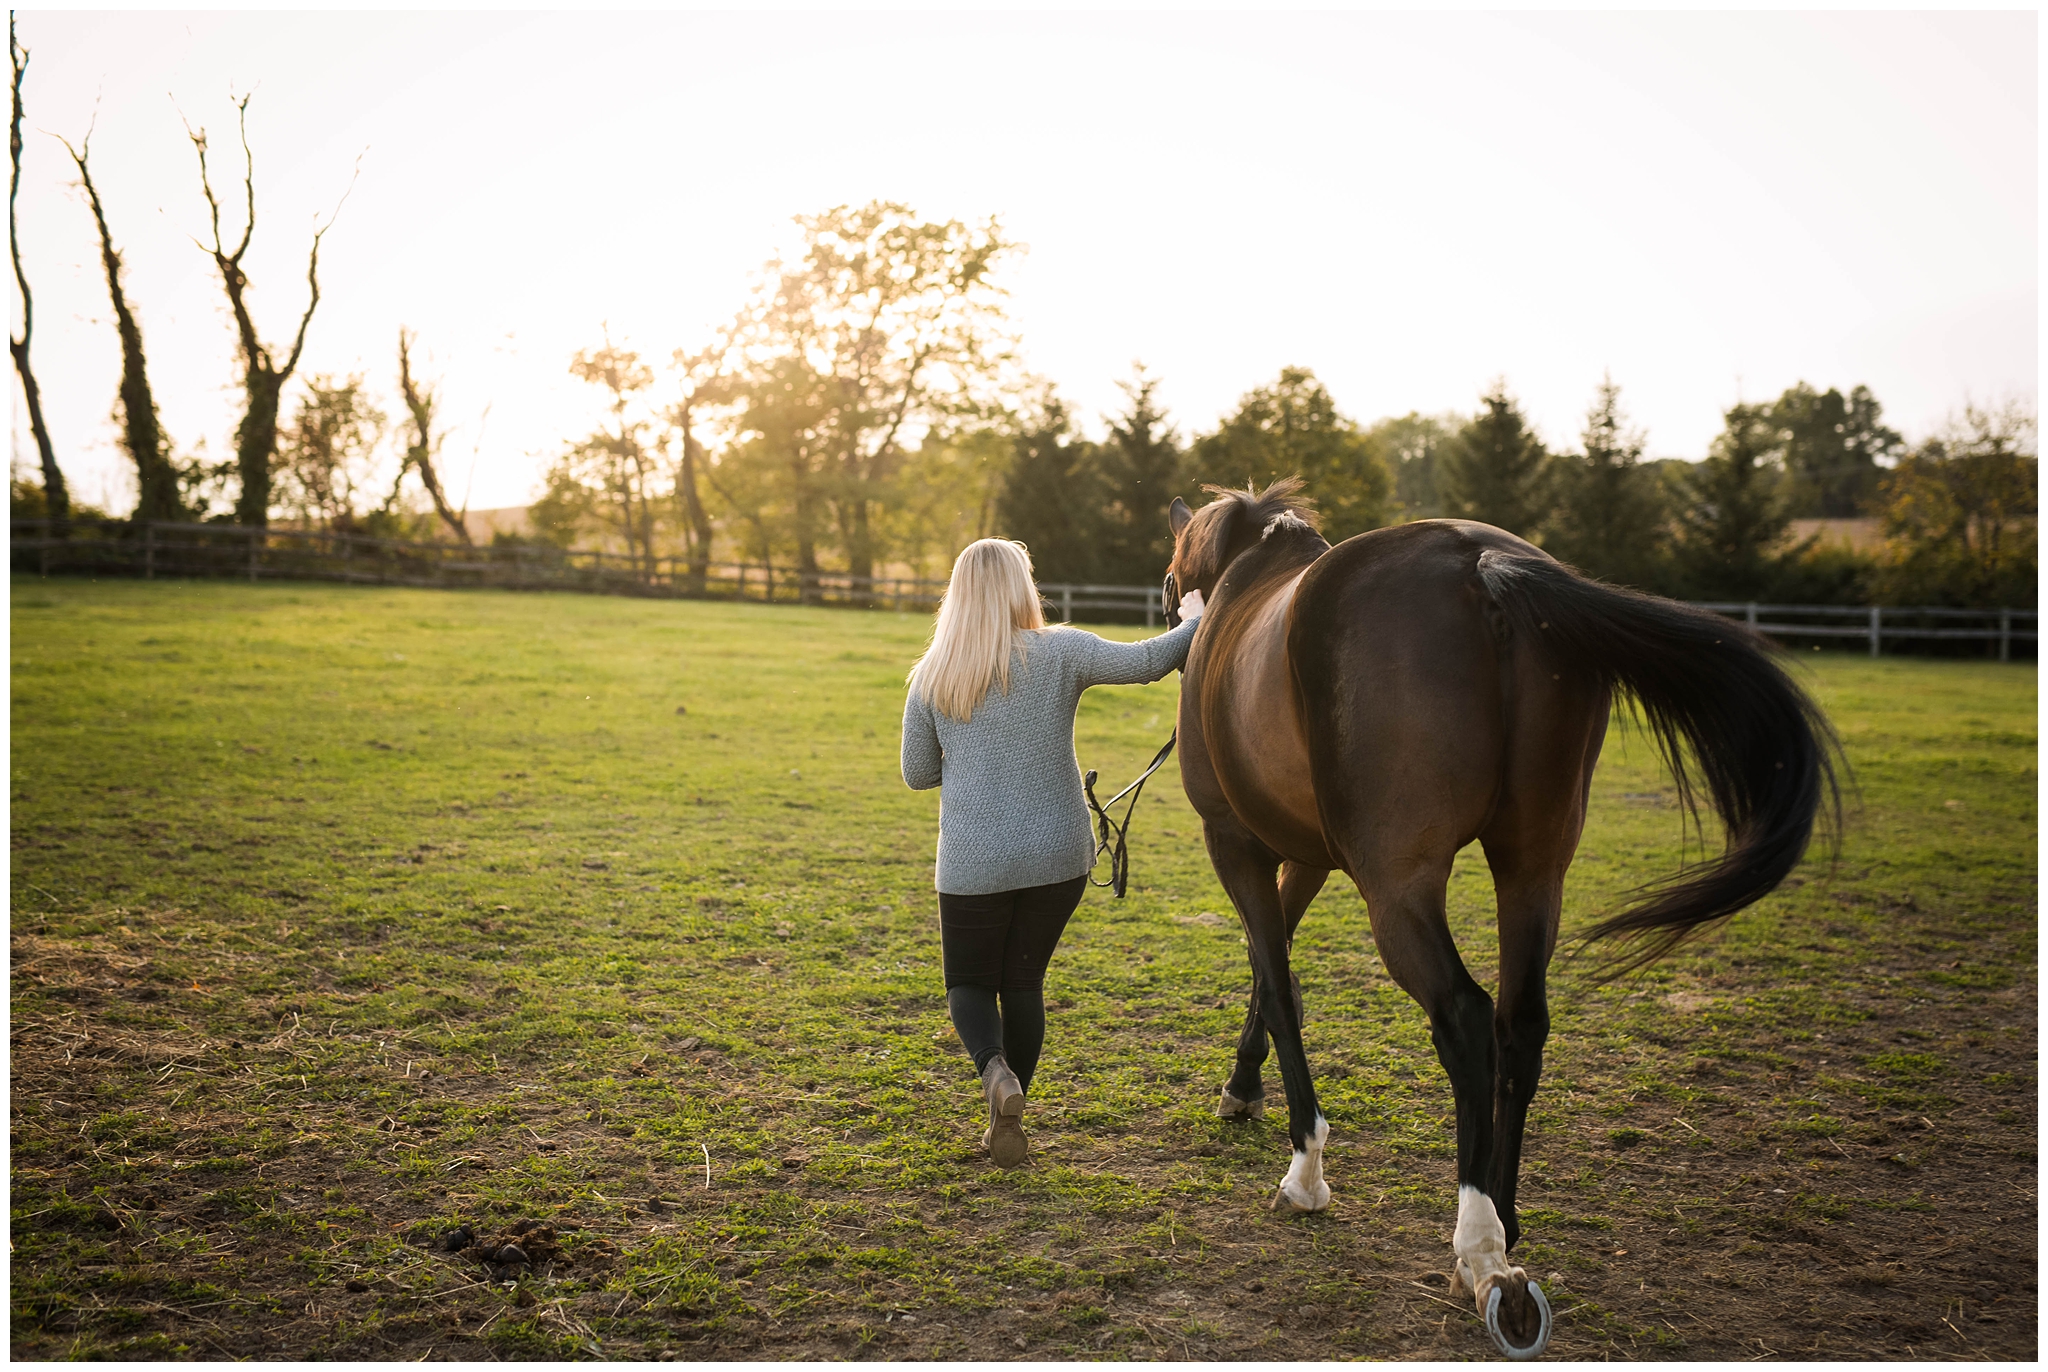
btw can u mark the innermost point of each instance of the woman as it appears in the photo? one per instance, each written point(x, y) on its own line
point(991, 718)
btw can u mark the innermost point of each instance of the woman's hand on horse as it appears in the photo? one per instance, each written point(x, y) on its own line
point(1190, 606)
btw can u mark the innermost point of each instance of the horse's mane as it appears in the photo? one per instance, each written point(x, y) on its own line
point(1206, 540)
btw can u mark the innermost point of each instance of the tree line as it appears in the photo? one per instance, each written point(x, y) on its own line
point(1956, 513)
point(867, 410)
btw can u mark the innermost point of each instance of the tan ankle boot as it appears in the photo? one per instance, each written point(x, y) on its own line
point(1004, 1137)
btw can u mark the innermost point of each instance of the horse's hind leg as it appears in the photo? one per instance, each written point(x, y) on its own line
point(1248, 870)
point(1529, 911)
point(1406, 902)
point(1529, 843)
point(1244, 1095)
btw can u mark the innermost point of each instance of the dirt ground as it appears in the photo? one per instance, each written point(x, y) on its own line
point(1926, 1249)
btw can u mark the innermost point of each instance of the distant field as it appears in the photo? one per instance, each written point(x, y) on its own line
point(343, 916)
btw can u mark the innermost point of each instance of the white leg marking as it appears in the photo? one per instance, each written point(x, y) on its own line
point(1480, 1242)
point(1304, 1185)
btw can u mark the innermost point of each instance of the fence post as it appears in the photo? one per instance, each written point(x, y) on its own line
point(1067, 604)
point(1751, 616)
point(43, 553)
point(2005, 635)
point(1876, 629)
point(253, 535)
point(149, 550)
point(1149, 607)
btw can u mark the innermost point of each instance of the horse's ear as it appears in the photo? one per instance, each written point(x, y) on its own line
point(1177, 515)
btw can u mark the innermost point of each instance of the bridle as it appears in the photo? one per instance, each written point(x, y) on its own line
point(1110, 836)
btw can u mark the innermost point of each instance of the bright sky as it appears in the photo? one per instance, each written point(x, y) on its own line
point(1710, 206)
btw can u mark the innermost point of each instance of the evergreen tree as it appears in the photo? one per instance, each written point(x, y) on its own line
point(1734, 514)
point(1292, 428)
point(1497, 471)
point(1609, 508)
point(1832, 448)
point(1141, 471)
point(1052, 498)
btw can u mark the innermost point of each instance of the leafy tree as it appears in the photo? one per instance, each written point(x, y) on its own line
point(56, 500)
point(26, 498)
point(1410, 447)
point(777, 472)
point(1292, 427)
point(1496, 470)
point(1053, 499)
point(1734, 516)
point(947, 495)
point(885, 325)
point(1835, 449)
point(325, 453)
point(1961, 513)
point(564, 508)
point(1609, 512)
point(263, 377)
point(610, 476)
point(1141, 465)
point(749, 487)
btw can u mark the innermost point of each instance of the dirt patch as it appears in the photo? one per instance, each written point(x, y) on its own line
point(1882, 1229)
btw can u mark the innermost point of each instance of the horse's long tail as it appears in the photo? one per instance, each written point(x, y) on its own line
point(1722, 712)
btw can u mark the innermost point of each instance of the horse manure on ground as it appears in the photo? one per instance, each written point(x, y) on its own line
point(522, 1244)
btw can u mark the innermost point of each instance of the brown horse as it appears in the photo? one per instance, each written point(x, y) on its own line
point(1374, 707)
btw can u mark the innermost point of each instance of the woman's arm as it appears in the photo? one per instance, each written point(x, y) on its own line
point(1105, 663)
point(922, 756)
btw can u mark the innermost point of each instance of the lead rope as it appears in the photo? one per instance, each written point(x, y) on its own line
point(1110, 837)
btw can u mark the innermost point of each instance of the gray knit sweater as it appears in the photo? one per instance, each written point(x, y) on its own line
point(1012, 813)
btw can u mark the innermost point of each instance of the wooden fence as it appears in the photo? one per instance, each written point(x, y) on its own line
point(147, 549)
point(151, 549)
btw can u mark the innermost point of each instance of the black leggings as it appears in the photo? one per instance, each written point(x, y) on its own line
point(999, 945)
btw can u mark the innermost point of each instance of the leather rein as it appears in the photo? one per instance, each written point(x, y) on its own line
point(1110, 836)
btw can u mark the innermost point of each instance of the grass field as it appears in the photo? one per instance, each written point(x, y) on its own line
point(343, 916)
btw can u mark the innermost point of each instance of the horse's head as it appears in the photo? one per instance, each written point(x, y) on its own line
point(1207, 540)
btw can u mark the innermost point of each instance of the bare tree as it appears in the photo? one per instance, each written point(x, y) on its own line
point(262, 378)
point(56, 500)
point(141, 432)
point(425, 446)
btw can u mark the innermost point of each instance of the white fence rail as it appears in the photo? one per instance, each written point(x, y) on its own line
point(1877, 623)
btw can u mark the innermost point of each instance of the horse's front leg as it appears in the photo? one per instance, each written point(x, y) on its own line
point(1248, 868)
point(1244, 1095)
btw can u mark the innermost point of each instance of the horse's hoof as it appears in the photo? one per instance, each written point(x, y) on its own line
point(1284, 1204)
point(1524, 1331)
point(1231, 1108)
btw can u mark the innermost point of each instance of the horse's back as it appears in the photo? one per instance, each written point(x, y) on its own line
point(1404, 679)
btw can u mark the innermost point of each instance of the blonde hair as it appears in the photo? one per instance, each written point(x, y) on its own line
point(990, 600)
